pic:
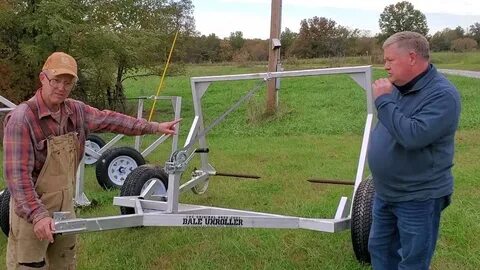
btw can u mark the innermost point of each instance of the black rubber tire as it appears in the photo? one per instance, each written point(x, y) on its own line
point(132, 159)
point(136, 180)
point(95, 139)
point(5, 211)
point(362, 219)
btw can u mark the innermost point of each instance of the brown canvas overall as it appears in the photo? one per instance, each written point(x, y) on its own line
point(55, 188)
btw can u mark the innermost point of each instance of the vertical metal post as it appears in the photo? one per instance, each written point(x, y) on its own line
point(274, 53)
point(173, 192)
point(198, 89)
point(369, 124)
point(177, 105)
point(80, 197)
point(138, 139)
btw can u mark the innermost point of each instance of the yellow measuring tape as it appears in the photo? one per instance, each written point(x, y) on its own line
point(163, 76)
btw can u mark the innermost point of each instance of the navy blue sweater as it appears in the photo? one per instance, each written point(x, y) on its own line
point(411, 148)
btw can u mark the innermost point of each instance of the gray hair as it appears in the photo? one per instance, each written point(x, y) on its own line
point(410, 41)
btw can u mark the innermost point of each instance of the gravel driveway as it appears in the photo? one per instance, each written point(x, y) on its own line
point(465, 73)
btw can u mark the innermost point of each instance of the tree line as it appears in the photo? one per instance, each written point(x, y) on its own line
point(117, 40)
point(323, 37)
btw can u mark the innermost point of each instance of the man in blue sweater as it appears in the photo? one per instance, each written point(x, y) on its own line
point(410, 154)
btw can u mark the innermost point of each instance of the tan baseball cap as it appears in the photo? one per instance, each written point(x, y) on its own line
point(61, 63)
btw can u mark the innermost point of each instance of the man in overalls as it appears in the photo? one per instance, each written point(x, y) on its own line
point(44, 140)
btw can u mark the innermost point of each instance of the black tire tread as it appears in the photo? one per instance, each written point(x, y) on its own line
point(5, 212)
point(361, 221)
point(96, 139)
point(136, 179)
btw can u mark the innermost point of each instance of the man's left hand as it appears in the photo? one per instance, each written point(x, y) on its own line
point(44, 229)
point(167, 127)
point(382, 87)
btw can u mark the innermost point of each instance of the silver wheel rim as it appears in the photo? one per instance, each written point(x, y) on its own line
point(200, 188)
point(95, 147)
point(159, 190)
point(120, 168)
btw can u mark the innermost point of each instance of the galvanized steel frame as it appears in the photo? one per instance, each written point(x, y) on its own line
point(152, 210)
point(80, 197)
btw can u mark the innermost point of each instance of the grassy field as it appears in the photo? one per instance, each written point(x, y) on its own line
point(467, 61)
point(448, 60)
point(317, 133)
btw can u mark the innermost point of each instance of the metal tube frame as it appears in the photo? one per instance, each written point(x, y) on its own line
point(9, 106)
point(150, 210)
point(80, 197)
point(176, 104)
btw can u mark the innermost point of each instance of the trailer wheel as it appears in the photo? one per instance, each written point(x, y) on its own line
point(115, 165)
point(362, 219)
point(5, 211)
point(95, 143)
point(139, 179)
point(201, 187)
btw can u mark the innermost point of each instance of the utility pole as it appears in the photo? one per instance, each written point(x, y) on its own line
point(274, 54)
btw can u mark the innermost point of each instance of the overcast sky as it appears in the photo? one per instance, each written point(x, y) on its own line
point(252, 17)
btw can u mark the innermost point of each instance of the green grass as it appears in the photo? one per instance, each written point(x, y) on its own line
point(448, 60)
point(451, 60)
point(316, 134)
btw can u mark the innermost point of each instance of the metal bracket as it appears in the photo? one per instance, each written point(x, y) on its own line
point(178, 162)
point(59, 216)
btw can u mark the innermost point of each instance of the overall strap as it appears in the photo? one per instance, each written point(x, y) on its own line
point(71, 126)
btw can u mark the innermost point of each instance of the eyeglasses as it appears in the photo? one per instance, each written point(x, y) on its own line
point(56, 83)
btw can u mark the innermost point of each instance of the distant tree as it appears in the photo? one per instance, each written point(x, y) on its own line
point(401, 17)
point(321, 37)
point(474, 31)
point(236, 40)
point(256, 49)
point(442, 40)
point(463, 45)
point(364, 44)
point(212, 48)
point(241, 56)
point(202, 49)
point(287, 38)
point(302, 47)
point(459, 31)
point(226, 51)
